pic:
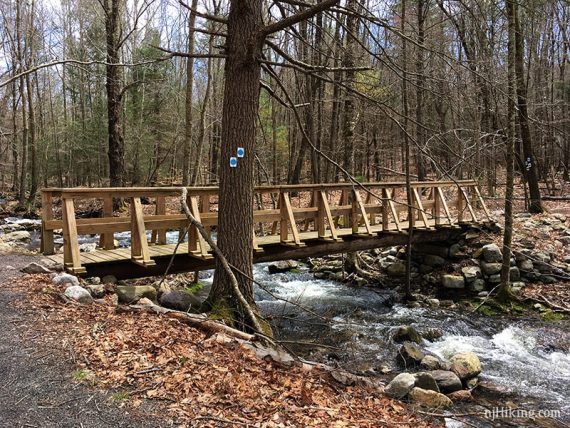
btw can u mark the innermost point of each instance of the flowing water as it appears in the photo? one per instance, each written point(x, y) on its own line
point(530, 358)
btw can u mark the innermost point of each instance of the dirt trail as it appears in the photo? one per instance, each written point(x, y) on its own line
point(36, 383)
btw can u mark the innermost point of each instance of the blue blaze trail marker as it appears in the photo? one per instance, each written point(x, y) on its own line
point(233, 162)
point(240, 152)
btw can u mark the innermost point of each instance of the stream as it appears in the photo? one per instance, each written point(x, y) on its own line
point(527, 358)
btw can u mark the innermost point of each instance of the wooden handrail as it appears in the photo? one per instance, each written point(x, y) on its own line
point(125, 192)
point(349, 212)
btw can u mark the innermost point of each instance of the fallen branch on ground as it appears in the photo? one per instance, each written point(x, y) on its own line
point(194, 320)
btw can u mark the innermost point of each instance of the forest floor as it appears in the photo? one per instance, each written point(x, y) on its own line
point(64, 365)
point(36, 376)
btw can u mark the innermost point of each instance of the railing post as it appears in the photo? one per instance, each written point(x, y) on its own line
point(287, 217)
point(385, 208)
point(159, 236)
point(436, 206)
point(459, 204)
point(139, 243)
point(107, 239)
point(196, 242)
point(47, 247)
point(71, 256)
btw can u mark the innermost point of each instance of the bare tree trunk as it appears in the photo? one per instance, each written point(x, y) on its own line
point(116, 154)
point(24, 157)
point(202, 132)
point(530, 166)
point(505, 286)
point(349, 118)
point(31, 113)
point(189, 94)
point(422, 7)
point(411, 213)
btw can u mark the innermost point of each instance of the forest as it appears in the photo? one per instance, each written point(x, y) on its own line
point(285, 213)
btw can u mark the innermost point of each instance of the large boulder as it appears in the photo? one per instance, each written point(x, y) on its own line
point(109, 279)
point(410, 354)
point(430, 399)
point(78, 294)
point(490, 268)
point(396, 270)
point(429, 362)
point(179, 300)
point(96, 290)
point(283, 266)
point(65, 279)
point(526, 265)
point(34, 267)
point(461, 395)
point(18, 236)
point(478, 285)
point(471, 273)
point(453, 281)
point(446, 381)
point(465, 365)
point(407, 333)
point(400, 386)
point(132, 293)
point(492, 253)
point(426, 381)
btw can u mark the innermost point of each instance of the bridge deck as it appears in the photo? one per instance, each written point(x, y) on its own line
point(330, 219)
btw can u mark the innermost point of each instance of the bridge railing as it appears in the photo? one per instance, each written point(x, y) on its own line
point(290, 212)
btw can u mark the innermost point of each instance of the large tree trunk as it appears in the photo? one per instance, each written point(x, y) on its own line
point(240, 107)
point(505, 286)
point(530, 166)
point(113, 86)
point(420, 89)
point(349, 118)
point(188, 102)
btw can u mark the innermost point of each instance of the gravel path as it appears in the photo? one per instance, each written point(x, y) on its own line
point(36, 384)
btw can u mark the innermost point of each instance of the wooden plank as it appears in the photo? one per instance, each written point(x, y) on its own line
point(420, 207)
point(159, 235)
point(482, 201)
point(139, 244)
point(71, 257)
point(288, 218)
point(47, 245)
point(444, 205)
point(436, 206)
point(107, 240)
point(385, 208)
point(325, 214)
point(194, 237)
point(393, 210)
point(358, 209)
point(468, 204)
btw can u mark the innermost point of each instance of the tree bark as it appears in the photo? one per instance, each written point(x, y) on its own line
point(239, 113)
point(116, 154)
point(189, 94)
point(505, 293)
point(529, 163)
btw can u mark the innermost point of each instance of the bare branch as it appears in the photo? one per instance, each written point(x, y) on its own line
point(79, 63)
point(187, 55)
point(214, 18)
point(296, 18)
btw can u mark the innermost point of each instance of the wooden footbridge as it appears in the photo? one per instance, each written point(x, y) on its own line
point(292, 221)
